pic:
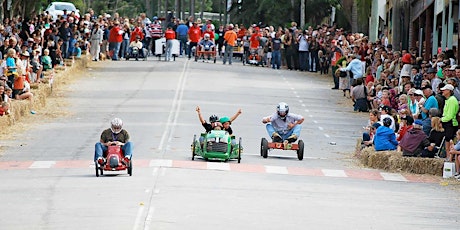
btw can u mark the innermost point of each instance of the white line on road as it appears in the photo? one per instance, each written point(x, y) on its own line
point(218, 166)
point(42, 164)
point(161, 163)
point(314, 121)
point(295, 92)
point(320, 128)
point(334, 173)
point(302, 104)
point(327, 135)
point(307, 110)
point(138, 216)
point(393, 176)
point(276, 169)
point(148, 219)
point(175, 107)
point(310, 115)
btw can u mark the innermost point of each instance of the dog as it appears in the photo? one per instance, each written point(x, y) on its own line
point(102, 57)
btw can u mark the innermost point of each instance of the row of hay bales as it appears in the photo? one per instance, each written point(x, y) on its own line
point(41, 91)
point(393, 161)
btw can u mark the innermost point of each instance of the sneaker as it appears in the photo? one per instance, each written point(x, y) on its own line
point(128, 158)
point(100, 160)
point(276, 137)
point(292, 138)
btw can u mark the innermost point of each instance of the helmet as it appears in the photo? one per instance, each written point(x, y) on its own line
point(155, 18)
point(282, 110)
point(116, 125)
point(387, 121)
point(224, 119)
point(206, 36)
point(213, 118)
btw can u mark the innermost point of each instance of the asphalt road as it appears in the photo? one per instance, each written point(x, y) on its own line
point(48, 179)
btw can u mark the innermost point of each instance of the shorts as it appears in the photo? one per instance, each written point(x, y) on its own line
point(450, 130)
point(269, 54)
point(17, 92)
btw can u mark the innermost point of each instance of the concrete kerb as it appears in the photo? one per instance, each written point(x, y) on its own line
point(41, 91)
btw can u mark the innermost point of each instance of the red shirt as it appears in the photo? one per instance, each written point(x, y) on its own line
point(254, 40)
point(170, 34)
point(369, 78)
point(115, 36)
point(136, 32)
point(194, 34)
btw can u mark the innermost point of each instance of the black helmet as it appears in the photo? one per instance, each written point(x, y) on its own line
point(282, 109)
point(213, 118)
point(387, 121)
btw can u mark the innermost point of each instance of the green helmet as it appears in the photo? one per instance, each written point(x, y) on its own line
point(224, 119)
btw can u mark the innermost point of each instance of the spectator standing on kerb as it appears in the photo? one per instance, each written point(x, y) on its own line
point(155, 32)
point(182, 31)
point(276, 52)
point(115, 39)
point(194, 34)
point(170, 35)
point(449, 115)
point(96, 42)
point(303, 51)
point(64, 34)
point(230, 40)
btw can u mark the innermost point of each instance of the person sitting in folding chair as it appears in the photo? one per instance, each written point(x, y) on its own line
point(415, 141)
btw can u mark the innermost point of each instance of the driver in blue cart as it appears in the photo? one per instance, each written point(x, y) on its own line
point(206, 45)
point(282, 125)
point(115, 135)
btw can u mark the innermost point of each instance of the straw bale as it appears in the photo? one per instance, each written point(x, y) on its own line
point(42, 91)
point(393, 161)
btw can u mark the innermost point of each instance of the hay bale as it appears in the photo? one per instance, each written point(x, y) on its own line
point(393, 161)
point(41, 91)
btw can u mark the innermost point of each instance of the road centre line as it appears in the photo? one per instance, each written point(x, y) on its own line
point(320, 128)
point(175, 107)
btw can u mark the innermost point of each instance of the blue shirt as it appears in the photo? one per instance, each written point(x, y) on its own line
point(182, 30)
point(356, 67)
point(430, 102)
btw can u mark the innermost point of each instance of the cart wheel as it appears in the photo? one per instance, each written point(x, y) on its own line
point(193, 147)
point(130, 168)
point(215, 59)
point(264, 148)
point(97, 168)
point(240, 149)
point(300, 150)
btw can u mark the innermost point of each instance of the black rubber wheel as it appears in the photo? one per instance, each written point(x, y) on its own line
point(193, 147)
point(300, 150)
point(215, 59)
point(130, 168)
point(97, 168)
point(239, 150)
point(264, 148)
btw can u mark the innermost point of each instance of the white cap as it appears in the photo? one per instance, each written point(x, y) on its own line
point(448, 87)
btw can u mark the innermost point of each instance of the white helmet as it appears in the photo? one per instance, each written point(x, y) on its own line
point(207, 36)
point(282, 109)
point(116, 125)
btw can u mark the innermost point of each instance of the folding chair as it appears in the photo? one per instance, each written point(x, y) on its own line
point(441, 149)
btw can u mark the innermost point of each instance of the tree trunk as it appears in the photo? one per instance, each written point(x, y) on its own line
point(148, 8)
point(201, 9)
point(293, 9)
point(354, 17)
point(192, 8)
point(302, 14)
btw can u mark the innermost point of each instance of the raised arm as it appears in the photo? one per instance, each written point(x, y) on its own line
point(199, 115)
point(236, 115)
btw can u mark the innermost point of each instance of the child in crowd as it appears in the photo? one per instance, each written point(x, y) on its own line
point(46, 60)
point(4, 108)
point(77, 50)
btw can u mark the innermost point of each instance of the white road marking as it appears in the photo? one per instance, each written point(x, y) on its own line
point(163, 172)
point(148, 219)
point(310, 116)
point(320, 128)
point(276, 169)
point(175, 107)
point(302, 104)
point(156, 191)
point(314, 121)
point(161, 163)
point(307, 110)
point(138, 217)
point(393, 177)
point(155, 171)
point(334, 173)
point(300, 101)
point(295, 92)
point(327, 135)
point(42, 164)
point(218, 166)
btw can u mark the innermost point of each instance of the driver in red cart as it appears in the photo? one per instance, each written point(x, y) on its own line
point(282, 125)
point(206, 45)
point(115, 135)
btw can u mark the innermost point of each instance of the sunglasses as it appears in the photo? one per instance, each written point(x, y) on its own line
point(411, 94)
